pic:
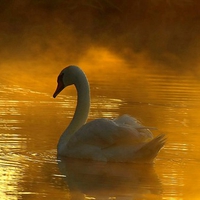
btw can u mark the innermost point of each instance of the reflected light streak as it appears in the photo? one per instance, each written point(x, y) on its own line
point(11, 172)
point(178, 147)
point(8, 110)
point(101, 106)
point(11, 166)
point(105, 107)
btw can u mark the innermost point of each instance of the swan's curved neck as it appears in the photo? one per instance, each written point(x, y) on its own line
point(82, 109)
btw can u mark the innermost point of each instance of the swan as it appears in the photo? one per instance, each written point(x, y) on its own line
point(123, 139)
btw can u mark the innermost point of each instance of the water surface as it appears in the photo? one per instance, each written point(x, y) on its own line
point(31, 122)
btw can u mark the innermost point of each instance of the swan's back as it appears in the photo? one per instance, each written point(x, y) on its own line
point(114, 141)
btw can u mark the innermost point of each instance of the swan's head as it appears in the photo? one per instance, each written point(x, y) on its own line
point(68, 76)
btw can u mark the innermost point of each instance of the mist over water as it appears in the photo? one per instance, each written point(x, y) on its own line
point(55, 33)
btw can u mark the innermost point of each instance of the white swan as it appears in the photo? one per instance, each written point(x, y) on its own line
point(120, 140)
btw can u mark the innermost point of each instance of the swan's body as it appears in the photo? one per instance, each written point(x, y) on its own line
point(120, 140)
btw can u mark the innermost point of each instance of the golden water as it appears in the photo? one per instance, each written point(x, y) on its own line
point(31, 122)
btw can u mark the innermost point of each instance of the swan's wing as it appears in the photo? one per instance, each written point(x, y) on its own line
point(103, 133)
point(144, 152)
point(131, 122)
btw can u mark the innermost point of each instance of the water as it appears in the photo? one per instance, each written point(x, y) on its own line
point(31, 122)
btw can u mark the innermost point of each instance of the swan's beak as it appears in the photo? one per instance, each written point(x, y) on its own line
point(59, 88)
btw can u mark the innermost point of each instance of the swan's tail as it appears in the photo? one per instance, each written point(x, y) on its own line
point(150, 149)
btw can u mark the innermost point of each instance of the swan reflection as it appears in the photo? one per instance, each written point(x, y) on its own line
point(98, 179)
